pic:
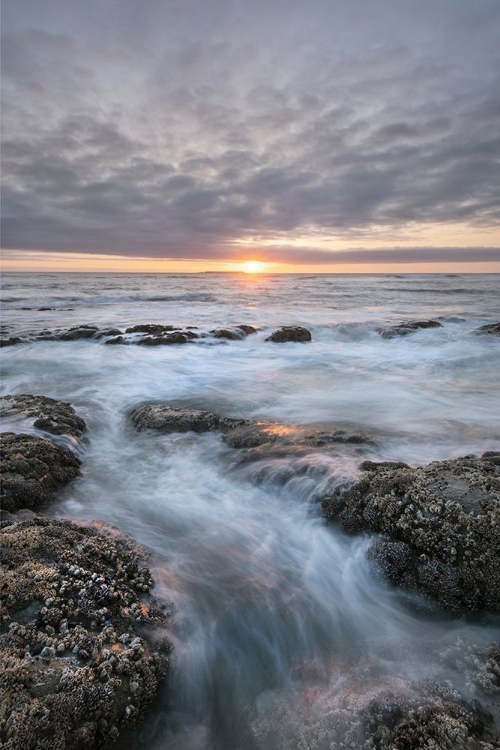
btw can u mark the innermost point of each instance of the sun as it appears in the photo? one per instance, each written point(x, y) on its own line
point(253, 266)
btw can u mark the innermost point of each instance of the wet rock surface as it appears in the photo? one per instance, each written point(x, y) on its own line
point(441, 527)
point(10, 341)
point(255, 440)
point(406, 327)
point(430, 716)
point(145, 334)
point(168, 419)
point(78, 661)
point(32, 470)
point(490, 329)
point(57, 417)
point(290, 333)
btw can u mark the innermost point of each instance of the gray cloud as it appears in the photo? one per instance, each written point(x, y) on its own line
point(178, 129)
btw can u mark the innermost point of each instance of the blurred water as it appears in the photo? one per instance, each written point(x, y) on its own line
point(268, 602)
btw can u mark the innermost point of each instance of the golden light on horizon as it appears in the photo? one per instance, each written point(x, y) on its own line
point(254, 266)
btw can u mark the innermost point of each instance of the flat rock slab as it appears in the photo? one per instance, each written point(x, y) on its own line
point(168, 419)
point(56, 417)
point(256, 440)
point(32, 470)
point(406, 327)
point(74, 669)
point(440, 526)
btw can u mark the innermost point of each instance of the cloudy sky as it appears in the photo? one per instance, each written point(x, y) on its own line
point(201, 133)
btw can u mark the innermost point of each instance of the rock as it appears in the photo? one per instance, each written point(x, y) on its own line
point(236, 334)
point(247, 330)
point(116, 340)
point(152, 328)
point(57, 417)
point(169, 338)
point(78, 332)
point(441, 527)
point(254, 440)
point(290, 333)
point(490, 329)
point(406, 327)
point(11, 341)
point(32, 470)
point(167, 419)
point(108, 332)
point(225, 333)
point(380, 465)
point(271, 439)
point(70, 690)
point(385, 713)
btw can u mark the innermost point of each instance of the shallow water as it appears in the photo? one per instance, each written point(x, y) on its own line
point(272, 610)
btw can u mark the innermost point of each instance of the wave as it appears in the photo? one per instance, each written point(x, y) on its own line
point(460, 290)
point(113, 300)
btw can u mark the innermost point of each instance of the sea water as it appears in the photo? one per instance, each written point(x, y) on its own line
point(273, 613)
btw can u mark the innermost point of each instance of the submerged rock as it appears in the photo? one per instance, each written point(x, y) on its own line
point(233, 334)
point(225, 333)
point(11, 341)
point(441, 527)
point(290, 333)
point(389, 713)
point(406, 327)
point(32, 470)
point(75, 670)
point(57, 417)
point(490, 329)
point(168, 419)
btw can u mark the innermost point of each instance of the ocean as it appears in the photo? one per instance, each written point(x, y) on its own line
point(273, 611)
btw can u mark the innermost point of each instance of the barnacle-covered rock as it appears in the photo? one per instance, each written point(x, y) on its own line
point(441, 527)
point(78, 659)
point(56, 417)
point(32, 470)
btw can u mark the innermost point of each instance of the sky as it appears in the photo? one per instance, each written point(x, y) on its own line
point(191, 135)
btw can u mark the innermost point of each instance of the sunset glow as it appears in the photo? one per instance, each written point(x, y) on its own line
point(254, 266)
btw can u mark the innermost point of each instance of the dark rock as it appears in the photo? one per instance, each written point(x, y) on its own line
point(116, 340)
point(76, 683)
point(380, 465)
point(406, 327)
point(490, 329)
point(247, 330)
point(168, 419)
point(254, 440)
point(441, 524)
point(153, 328)
point(169, 338)
point(57, 417)
point(11, 341)
point(225, 333)
point(32, 470)
point(78, 332)
point(290, 333)
point(108, 332)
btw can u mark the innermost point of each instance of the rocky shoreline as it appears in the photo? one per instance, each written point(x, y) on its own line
point(157, 334)
point(82, 639)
